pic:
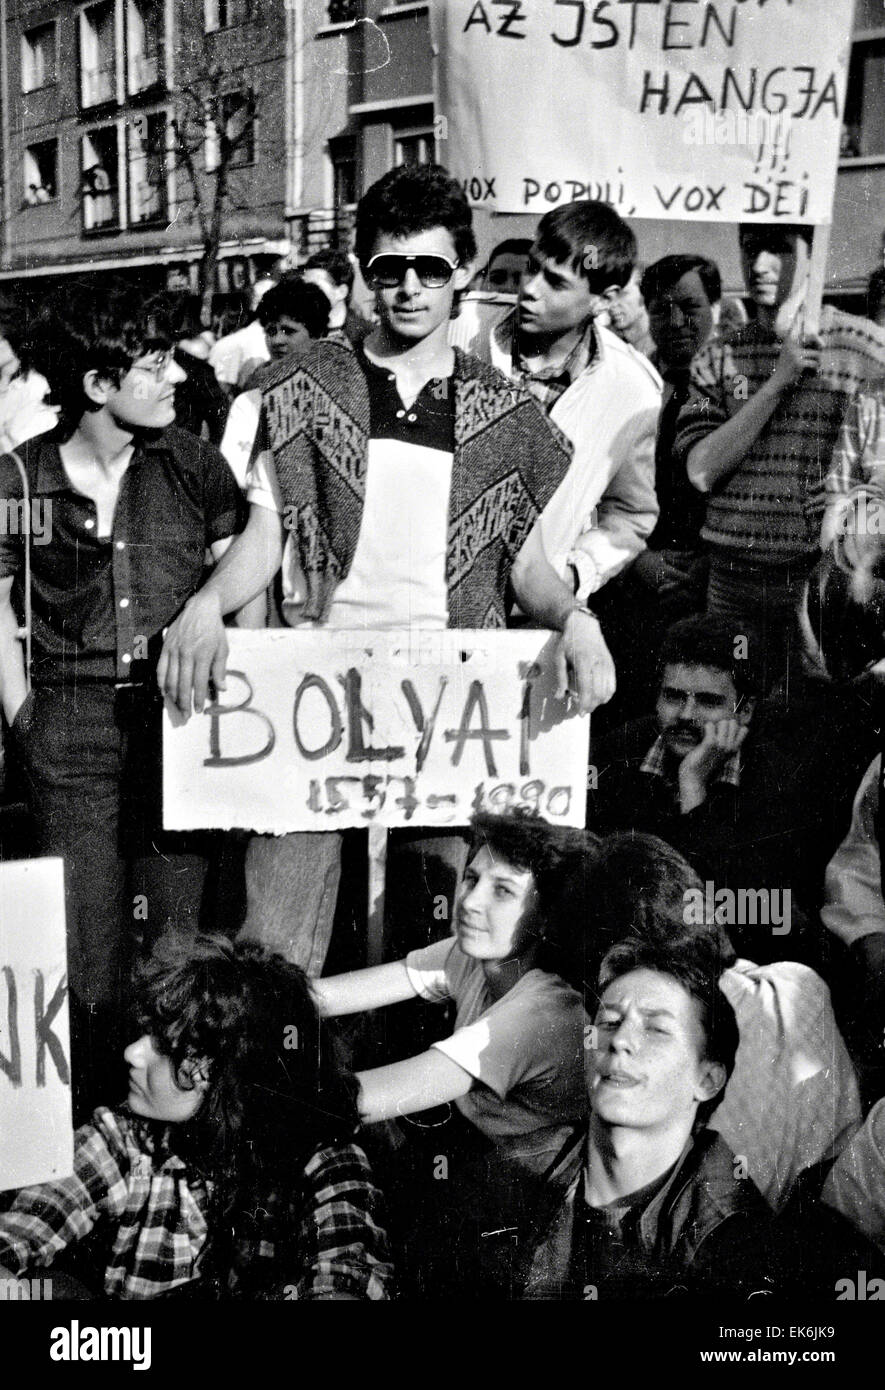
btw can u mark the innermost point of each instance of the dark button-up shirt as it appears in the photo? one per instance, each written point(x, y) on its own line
point(429, 420)
point(98, 601)
point(683, 508)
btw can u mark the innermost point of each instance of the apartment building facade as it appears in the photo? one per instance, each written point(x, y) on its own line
point(117, 116)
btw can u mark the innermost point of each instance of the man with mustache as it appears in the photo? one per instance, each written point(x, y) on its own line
point(739, 795)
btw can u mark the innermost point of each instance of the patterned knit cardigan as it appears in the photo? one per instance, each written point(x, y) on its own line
point(508, 462)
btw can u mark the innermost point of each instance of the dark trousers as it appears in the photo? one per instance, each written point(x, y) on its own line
point(91, 763)
point(767, 597)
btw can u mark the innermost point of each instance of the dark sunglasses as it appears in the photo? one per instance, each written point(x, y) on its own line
point(389, 270)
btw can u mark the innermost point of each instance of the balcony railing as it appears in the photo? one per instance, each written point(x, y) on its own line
point(101, 207)
point(324, 227)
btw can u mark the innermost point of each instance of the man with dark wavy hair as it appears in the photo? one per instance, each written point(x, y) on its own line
point(735, 786)
point(406, 480)
point(130, 506)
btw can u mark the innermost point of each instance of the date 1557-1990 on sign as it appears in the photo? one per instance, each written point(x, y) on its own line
point(368, 795)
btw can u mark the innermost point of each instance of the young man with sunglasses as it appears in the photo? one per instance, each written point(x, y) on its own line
point(130, 505)
point(406, 481)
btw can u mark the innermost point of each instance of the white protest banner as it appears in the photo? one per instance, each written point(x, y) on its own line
point(723, 111)
point(321, 730)
point(36, 1137)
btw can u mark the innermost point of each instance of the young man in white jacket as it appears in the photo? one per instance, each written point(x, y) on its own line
point(601, 393)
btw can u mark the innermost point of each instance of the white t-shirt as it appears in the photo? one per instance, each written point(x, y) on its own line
point(240, 432)
point(525, 1051)
point(398, 575)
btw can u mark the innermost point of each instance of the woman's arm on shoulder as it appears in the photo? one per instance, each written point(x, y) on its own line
point(359, 990)
point(403, 1088)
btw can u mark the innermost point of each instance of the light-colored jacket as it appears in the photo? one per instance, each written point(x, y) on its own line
point(605, 509)
point(853, 905)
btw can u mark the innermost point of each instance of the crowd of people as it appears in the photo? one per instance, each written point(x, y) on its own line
point(655, 1068)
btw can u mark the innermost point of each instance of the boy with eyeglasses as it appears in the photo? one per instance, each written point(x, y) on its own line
point(130, 505)
point(410, 478)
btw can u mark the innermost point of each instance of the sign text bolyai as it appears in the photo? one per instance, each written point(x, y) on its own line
point(322, 730)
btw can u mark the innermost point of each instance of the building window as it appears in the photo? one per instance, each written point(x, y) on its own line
point(863, 130)
point(39, 68)
point(237, 142)
point(344, 11)
point(144, 45)
point(868, 14)
point(100, 187)
point(413, 147)
point(223, 14)
point(148, 200)
point(343, 156)
point(98, 68)
point(41, 172)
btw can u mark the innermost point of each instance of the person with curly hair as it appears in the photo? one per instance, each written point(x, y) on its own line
point(230, 1172)
point(514, 1065)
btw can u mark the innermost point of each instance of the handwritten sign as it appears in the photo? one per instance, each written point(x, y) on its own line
point(36, 1137)
point(321, 730)
point(723, 111)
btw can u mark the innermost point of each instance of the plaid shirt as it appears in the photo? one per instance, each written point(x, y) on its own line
point(549, 383)
point(324, 1239)
point(858, 464)
point(655, 764)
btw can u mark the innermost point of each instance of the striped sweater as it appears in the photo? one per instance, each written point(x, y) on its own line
point(771, 506)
